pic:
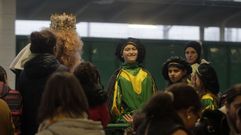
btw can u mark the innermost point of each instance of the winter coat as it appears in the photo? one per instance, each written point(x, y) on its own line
point(31, 85)
point(71, 127)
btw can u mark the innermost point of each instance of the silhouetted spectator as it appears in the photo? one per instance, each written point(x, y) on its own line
point(89, 78)
point(64, 107)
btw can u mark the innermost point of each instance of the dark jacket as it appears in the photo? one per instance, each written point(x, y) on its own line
point(31, 85)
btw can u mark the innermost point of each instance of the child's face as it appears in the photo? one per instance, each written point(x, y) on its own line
point(130, 53)
point(175, 74)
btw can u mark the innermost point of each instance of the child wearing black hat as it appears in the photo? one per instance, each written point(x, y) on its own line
point(176, 69)
point(131, 85)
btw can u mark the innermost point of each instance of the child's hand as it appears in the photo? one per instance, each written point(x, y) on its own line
point(128, 118)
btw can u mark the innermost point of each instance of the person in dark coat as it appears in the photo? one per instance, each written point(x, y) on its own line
point(41, 64)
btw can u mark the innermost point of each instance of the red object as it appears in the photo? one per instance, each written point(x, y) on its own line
point(100, 113)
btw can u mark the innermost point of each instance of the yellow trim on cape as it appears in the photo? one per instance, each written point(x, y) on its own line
point(136, 84)
point(207, 96)
point(136, 80)
point(114, 107)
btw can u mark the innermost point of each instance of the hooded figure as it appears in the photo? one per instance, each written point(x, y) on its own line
point(131, 85)
point(193, 54)
point(197, 48)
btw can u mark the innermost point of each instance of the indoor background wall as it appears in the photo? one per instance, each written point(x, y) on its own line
point(224, 56)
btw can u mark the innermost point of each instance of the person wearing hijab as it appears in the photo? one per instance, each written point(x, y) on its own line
point(193, 55)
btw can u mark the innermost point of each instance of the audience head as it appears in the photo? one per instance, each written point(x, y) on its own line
point(186, 102)
point(89, 78)
point(233, 102)
point(63, 95)
point(130, 50)
point(42, 41)
point(69, 44)
point(206, 78)
point(87, 73)
point(176, 69)
point(3, 75)
point(178, 106)
point(193, 52)
point(158, 112)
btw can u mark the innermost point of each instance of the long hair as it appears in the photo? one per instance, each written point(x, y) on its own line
point(68, 43)
point(89, 78)
point(184, 96)
point(158, 112)
point(63, 95)
point(209, 78)
point(68, 40)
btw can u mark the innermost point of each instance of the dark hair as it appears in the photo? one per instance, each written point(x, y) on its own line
point(184, 96)
point(159, 112)
point(3, 75)
point(232, 93)
point(138, 118)
point(63, 94)
point(136, 42)
point(43, 41)
point(180, 63)
point(239, 113)
point(209, 78)
point(89, 78)
point(210, 123)
point(160, 105)
point(197, 46)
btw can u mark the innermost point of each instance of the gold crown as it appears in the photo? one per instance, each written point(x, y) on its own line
point(63, 22)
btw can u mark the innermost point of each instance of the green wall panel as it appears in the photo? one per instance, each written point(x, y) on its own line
point(224, 56)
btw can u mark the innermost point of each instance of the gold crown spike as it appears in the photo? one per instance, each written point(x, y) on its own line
point(65, 22)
